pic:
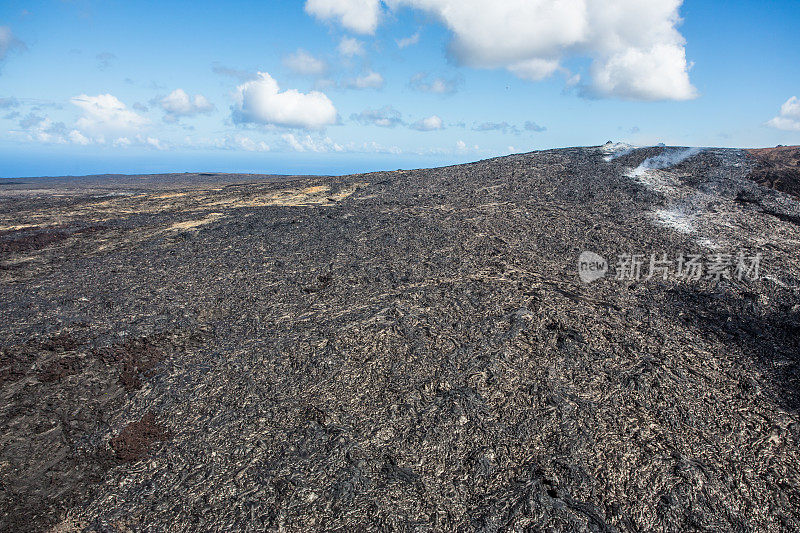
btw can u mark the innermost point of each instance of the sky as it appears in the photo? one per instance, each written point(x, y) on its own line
point(342, 86)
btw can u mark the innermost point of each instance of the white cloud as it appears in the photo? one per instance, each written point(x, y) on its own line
point(350, 47)
point(137, 140)
point(309, 144)
point(105, 115)
point(408, 41)
point(179, 104)
point(78, 138)
point(636, 50)
point(791, 108)
point(360, 16)
point(372, 147)
point(228, 142)
point(463, 148)
point(43, 129)
point(789, 118)
point(385, 117)
point(155, 143)
point(534, 69)
point(431, 123)
point(248, 144)
point(370, 80)
point(260, 101)
point(301, 62)
point(658, 73)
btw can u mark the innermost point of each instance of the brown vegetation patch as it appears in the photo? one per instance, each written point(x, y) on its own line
point(136, 438)
point(778, 168)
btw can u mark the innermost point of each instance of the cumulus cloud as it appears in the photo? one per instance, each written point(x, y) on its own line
point(350, 47)
point(42, 129)
point(385, 117)
point(9, 102)
point(154, 143)
point(261, 101)
point(437, 85)
point(431, 123)
point(229, 142)
point(301, 62)
point(372, 147)
point(408, 41)
point(179, 104)
point(248, 144)
point(789, 117)
point(360, 16)
point(534, 69)
point(463, 148)
point(307, 143)
point(77, 137)
point(636, 49)
point(104, 115)
point(657, 73)
point(370, 80)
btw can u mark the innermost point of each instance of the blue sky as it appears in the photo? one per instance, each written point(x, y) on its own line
point(336, 86)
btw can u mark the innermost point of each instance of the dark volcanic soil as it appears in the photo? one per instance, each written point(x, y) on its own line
point(778, 168)
point(408, 350)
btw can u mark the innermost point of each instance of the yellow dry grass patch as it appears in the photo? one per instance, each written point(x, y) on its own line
point(194, 224)
point(18, 227)
point(107, 209)
point(166, 195)
point(306, 197)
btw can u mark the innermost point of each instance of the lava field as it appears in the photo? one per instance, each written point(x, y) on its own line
point(406, 351)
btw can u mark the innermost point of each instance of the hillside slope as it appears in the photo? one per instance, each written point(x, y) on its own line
point(407, 350)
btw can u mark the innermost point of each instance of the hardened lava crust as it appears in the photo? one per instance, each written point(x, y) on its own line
point(410, 350)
